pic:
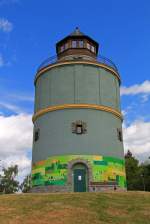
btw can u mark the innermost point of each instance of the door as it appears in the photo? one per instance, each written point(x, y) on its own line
point(79, 180)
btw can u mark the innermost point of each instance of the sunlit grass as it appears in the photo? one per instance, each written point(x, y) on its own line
point(72, 208)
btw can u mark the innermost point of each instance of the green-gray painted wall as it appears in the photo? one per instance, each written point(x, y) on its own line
point(56, 137)
point(66, 84)
point(69, 84)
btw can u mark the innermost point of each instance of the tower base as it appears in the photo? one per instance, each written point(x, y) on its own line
point(78, 173)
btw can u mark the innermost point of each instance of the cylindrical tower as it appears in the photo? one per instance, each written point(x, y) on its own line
point(77, 144)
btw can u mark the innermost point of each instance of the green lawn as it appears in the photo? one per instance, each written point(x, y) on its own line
point(74, 208)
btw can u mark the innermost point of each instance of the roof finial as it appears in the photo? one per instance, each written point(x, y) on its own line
point(77, 29)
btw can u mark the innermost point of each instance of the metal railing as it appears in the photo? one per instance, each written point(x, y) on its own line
point(100, 59)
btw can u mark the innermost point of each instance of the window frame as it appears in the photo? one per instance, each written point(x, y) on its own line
point(72, 44)
point(80, 45)
point(36, 135)
point(120, 135)
point(62, 48)
point(92, 47)
point(88, 46)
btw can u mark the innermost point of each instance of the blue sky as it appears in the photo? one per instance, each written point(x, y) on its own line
point(29, 30)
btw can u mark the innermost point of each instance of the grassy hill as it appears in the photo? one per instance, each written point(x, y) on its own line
point(74, 208)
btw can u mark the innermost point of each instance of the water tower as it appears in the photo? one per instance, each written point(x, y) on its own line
point(77, 143)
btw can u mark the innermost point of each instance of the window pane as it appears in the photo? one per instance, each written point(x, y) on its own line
point(80, 43)
point(36, 134)
point(79, 129)
point(92, 48)
point(66, 46)
point(74, 43)
point(88, 46)
point(62, 48)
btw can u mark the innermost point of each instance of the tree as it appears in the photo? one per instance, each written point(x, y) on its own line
point(133, 172)
point(8, 184)
point(145, 170)
point(26, 184)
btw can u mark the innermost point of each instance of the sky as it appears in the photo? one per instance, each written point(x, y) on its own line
point(29, 30)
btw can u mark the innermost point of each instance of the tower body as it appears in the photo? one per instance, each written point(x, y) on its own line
point(77, 143)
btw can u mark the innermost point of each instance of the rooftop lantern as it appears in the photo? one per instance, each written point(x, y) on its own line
point(77, 45)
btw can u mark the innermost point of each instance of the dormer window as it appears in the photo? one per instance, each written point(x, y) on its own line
point(74, 44)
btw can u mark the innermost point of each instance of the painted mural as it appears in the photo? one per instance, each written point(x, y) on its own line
point(53, 171)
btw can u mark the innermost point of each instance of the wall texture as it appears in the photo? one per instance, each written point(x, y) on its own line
point(77, 84)
point(56, 135)
point(69, 84)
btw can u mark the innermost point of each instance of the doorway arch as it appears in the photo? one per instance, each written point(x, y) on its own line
point(79, 175)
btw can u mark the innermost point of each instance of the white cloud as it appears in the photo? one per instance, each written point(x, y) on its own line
point(143, 88)
point(20, 97)
point(137, 138)
point(5, 25)
point(14, 102)
point(145, 98)
point(11, 107)
point(16, 141)
point(15, 134)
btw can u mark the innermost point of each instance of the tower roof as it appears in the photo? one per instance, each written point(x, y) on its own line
point(77, 32)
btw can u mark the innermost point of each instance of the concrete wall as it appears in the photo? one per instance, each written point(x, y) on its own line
point(77, 83)
point(56, 137)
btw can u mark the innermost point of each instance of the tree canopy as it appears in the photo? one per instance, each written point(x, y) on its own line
point(138, 175)
point(8, 183)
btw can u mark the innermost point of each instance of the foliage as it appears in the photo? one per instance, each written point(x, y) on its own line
point(26, 184)
point(138, 175)
point(8, 184)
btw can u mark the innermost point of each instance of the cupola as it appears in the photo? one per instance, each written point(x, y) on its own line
point(77, 45)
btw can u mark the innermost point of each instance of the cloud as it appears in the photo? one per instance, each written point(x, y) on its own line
point(143, 88)
point(11, 107)
point(15, 102)
point(145, 98)
point(137, 138)
point(23, 162)
point(15, 134)
point(21, 97)
point(16, 141)
point(5, 25)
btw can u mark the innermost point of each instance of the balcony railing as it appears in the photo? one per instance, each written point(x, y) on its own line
point(100, 59)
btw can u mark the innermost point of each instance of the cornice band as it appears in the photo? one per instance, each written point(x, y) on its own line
point(76, 62)
point(75, 106)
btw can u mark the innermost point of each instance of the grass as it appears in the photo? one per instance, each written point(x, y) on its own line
point(74, 208)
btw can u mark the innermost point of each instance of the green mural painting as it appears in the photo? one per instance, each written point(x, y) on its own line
point(53, 171)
